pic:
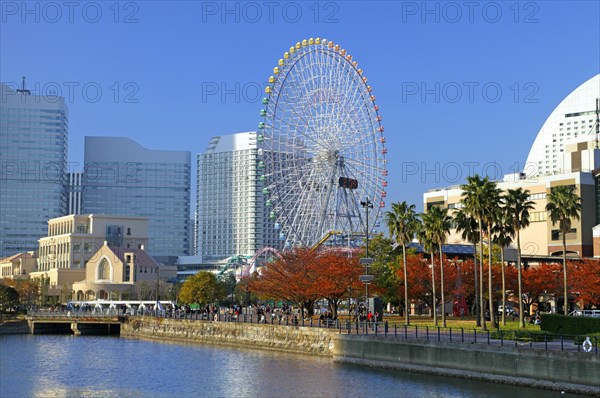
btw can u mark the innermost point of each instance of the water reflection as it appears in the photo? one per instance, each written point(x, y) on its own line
point(84, 366)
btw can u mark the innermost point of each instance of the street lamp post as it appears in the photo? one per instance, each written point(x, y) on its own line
point(366, 261)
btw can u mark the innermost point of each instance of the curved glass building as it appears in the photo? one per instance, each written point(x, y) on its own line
point(573, 120)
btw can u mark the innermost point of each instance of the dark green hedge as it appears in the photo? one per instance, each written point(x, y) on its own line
point(521, 335)
point(560, 324)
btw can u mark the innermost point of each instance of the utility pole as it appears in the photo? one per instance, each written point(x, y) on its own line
point(366, 261)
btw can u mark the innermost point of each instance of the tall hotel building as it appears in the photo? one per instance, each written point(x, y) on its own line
point(122, 177)
point(230, 216)
point(33, 160)
point(573, 121)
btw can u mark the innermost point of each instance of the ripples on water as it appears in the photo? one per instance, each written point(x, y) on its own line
point(86, 366)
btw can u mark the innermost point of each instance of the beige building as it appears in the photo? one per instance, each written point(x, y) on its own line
point(541, 238)
point(57, 282)
point(18, 266)
point(119, 273)
point(73, 239)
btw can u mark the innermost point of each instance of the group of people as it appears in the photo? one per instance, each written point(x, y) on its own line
point(360, 313)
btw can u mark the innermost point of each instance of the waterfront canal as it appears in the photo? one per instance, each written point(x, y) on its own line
point(90, 366)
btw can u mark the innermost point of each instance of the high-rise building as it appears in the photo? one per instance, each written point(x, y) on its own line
point(230, 216)
point(33, 160)
point(74, 191)
point(122, 177)
point(573, 120)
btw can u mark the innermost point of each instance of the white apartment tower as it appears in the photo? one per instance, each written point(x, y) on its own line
point(230, 216)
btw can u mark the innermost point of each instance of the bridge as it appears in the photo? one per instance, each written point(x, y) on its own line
point(77, 323)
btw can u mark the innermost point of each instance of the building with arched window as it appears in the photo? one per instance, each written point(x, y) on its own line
point(118, 273)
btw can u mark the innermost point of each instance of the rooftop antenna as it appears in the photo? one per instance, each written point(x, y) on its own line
point(22, 90)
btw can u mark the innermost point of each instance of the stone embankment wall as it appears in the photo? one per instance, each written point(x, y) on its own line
point(299, 339)
point(564, 371)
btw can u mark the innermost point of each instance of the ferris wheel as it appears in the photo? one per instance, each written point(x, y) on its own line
point(322, 146)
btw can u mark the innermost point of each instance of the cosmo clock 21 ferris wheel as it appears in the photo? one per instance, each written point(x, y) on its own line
point(322, 145)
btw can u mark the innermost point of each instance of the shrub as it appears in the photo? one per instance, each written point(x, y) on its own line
point(525, 335)
point(560, 324)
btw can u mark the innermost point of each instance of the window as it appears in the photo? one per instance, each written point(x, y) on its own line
point(128, 231)
point(104, 270)
point(538, 216)
point(431, 204)
point(556, 235)
point(537, 196)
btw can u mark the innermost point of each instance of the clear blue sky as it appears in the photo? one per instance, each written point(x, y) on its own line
point(154, 62)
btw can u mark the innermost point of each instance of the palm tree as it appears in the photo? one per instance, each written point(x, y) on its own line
point(428, 243)
point(517, 205)
point(470, 233)
point(491, 202)
point(477, 200)
point(564, 204)
point(438, 225)
point(503, 232)
point(403, 223)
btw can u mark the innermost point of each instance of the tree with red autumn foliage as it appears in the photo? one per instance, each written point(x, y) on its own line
point(292, 277)
point(539, 280)
point(336, 274)
point(585, 282)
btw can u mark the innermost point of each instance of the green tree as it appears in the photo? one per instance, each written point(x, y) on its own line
point(428, 241)
point(229, 282)
point(518, 205)
point(503, 232)
point(437, 222)
point(202, 288)
point(492, 203)
point(383, 269)
point(403, 223)
point(9, 297)
point(564, 205)
point(467, 225)
point(476, 198)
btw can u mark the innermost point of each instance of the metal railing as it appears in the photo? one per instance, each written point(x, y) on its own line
point(496, 337)
point(62, 314)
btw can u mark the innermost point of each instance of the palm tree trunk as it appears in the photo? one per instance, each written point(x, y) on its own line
point(490, 279)
point(503, 287)
point(477, 308)
point(406, 304)
point(566, 304)
point(435, 322)
point(519, 279)
point(481, 306)
point(442, 287)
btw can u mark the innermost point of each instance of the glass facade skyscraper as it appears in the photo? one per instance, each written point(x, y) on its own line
point(231, 218)
point(122, 177)
point(33, 166)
